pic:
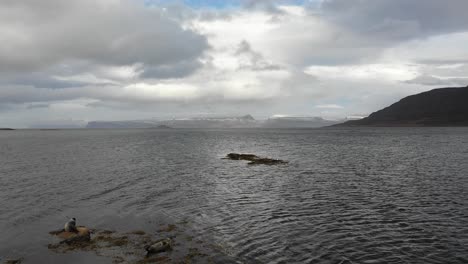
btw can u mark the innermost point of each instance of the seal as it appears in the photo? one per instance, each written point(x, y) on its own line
point(70, 226)
point(159, 246)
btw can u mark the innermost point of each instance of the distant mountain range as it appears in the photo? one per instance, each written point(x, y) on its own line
point(299, 122)
point(438, 107)
point(246, 121)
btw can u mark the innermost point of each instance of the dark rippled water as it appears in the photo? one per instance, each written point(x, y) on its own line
point(386, 195)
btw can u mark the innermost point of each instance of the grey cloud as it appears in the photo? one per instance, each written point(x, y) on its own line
point(358, 31)
point(441, 62)
point(398, 19)
point(435, 81)
point(16, 94)
point(37, 105)
point(176, 70)
point(37, 35)
point(427, 80)
point(39, 80)
point(179, 12)
point(269, 6)
point(302, 85)
point(210, 15)
point(254, 60)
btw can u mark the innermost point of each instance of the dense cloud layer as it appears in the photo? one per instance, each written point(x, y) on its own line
point(66, 62)
point(37, 35)
point(398, 19)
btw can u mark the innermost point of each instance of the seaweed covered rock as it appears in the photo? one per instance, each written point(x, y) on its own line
point(13, 261)
point(254, 159)
point(237, 156)
point(266, 161)
point(170, 244)
point(83, 234)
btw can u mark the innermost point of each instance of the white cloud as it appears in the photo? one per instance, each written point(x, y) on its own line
point(329, 106)
point(159, 91)
point(444, 49)
point(382, 72)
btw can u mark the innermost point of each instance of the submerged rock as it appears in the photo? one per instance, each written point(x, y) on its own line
point(237, 156)
point(266, 161)
point(254, 159)
point(13, 261)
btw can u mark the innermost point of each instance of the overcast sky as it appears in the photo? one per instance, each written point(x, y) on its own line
point(64, 63)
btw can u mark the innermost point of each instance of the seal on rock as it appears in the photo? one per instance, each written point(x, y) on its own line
point(70, 226)
point(159, 246)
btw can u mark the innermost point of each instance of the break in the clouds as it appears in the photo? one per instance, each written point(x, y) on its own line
point(67, 62)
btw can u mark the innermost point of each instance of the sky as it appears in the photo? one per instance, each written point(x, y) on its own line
point(64, 63)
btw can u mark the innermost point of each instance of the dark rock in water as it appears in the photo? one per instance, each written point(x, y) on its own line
point(266, 161)
point(254, 159)
point(159, 246)
point(13, 261)
point(76, 240)
point(127, 247)
point(237, 156)
point(83, 234)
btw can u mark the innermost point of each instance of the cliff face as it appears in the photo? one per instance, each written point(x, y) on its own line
point(438, 107)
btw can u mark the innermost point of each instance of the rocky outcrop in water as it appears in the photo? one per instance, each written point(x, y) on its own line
point(438, 107)
point(83, 234)
point(13, 261)
point(171, 243)
point(254, 159)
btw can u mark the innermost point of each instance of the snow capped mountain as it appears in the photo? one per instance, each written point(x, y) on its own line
point(246, 121)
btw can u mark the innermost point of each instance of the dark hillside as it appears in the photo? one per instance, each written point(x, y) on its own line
point(438, 107)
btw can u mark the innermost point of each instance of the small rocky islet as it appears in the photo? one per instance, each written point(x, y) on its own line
point(254, 159)
point(14, 261)
point(169, 244)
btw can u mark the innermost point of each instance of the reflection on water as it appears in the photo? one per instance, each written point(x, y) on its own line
point(384, 195)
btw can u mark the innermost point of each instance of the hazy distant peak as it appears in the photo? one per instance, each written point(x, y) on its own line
point(246, 121)
point(305, 118)
point(247, 117)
